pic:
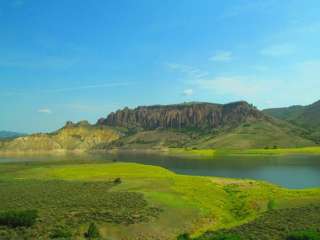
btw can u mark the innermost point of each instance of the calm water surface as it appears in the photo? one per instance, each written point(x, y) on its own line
point(301, 171)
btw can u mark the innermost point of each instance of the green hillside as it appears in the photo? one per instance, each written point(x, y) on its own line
point(258, 134)
point(253, 134)
point(307, 117)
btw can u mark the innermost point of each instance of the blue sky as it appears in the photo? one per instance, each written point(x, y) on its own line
point(72, 60)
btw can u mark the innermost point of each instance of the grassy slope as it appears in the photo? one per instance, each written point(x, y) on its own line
point(154, 139)
point(258, 135)
point(188, 203)
point(303, 116)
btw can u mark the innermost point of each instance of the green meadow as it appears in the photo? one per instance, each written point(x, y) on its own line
point(133, 201)
point(274, 150)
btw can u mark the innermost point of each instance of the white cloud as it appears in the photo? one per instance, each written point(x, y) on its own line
point(44, 110)
point(188, 92)
point(278, 50)
point(222, 56)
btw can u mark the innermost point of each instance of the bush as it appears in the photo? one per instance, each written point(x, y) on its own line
point(304, 235)
point(61, 232)
point(93, 232)
point(271, 205)
point(14, 219)
point(117, 181)
point(184, 236)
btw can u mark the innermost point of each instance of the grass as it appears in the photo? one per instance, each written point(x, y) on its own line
point(149, 202)
point(209, 153)
point(282, 151)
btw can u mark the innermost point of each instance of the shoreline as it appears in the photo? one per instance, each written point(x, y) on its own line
point(183, 152)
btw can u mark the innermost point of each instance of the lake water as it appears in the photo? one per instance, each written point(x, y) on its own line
point(294, 171)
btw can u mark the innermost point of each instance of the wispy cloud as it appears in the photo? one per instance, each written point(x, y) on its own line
point(188, 92)
point(190, 71)
point(85, 87)
point(63, 90)
point(44, 110)
point(278, 50)
point(43, 62)
point(221, 56)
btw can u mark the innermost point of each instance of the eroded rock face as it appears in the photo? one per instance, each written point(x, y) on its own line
point(191, 115)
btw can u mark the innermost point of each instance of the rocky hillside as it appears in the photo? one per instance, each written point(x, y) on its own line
point(204, 125)
point(196, 125)
point(183, 116)
point(73, 136)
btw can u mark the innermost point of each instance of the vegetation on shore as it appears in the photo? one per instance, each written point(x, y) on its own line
point(302, 223)
point(274, 150)
point(126, 199)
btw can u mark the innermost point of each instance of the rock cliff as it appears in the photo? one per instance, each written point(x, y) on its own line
point(188, 115)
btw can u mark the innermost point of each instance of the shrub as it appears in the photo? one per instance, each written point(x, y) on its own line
point(60, 232)
point(93, 232)
point(184, 236)
point(14, 219)
point(304, 235)
point(271, 204)
point(117, 181)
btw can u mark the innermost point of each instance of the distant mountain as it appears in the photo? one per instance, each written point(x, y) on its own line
point(9, 134)
point(197, 125)
point(307, 117)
